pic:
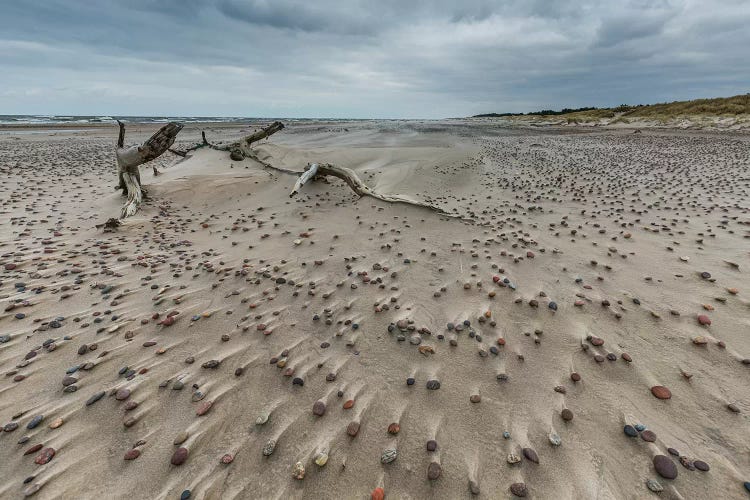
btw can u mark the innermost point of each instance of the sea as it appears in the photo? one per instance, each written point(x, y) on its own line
point(83, 119)
point(62, 119)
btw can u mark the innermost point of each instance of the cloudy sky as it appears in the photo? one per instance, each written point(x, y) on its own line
point(362, 59)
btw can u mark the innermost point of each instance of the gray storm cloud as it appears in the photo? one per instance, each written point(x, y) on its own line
point(364, 59)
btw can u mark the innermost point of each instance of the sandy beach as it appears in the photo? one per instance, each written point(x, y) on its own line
point(579, 330)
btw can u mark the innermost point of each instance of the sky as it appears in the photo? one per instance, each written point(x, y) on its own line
point(365, 59)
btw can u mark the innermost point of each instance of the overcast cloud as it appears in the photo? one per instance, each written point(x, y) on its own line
point(364, 59)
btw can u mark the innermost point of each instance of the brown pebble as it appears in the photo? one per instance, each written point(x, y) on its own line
point(566, 415)
point(661, 392)
point(33, 449)
point(319, 408)
point(648, 436)
point(179, 456)
point(352, 429)
point(132, 454)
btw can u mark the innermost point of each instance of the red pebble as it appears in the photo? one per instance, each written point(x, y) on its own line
point(45, 456)
point(704, 320)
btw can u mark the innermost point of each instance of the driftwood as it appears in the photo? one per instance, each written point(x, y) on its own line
point(129, 159)
point(238, 150)
point(318, 171)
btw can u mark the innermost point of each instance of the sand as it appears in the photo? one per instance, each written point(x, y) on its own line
point(312, 315)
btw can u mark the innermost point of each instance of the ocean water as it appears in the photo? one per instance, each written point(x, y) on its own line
point(82, 119)
point(56, 119)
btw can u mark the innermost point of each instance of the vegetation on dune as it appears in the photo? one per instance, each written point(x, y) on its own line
point(717, 107)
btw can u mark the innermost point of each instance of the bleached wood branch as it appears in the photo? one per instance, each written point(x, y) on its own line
point(353, 181)
point(129, 159)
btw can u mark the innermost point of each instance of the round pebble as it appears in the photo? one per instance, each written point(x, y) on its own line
point(665, 467)
point(319, 408)
point(433, 385)
point(519, 489)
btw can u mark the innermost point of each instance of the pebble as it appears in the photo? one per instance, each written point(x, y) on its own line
point(654, 485)
point(474, 487)
point(45, 456)
point(179, 456)
point(648, 436)
point(704, 320)
point(394, 428)
point(554, 439)
point(433, 385)
point(262, 418)
point(132, 454)
point(687, 463)
point(319, 408)
point(566, 415)
point(701, 465)
point(432, 445)
point(204, 408)
point(298, 471)
point(352, 429)
point(630, 431)
point(661, 392)
point(531, 455)
point(321, 458)
point(33, 449)
point(377, 494)
point(122, 394)
point(665, 467)
point(35, 421)
point(519, 489)
point(433, 471)
point(181, 438)
point(512, 458)
point(93, 399)
point(388, 456)
point(269, 447)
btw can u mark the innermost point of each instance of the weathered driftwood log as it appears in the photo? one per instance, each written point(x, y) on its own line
point(317, 171)
point(238, 150)
point(129, 159)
